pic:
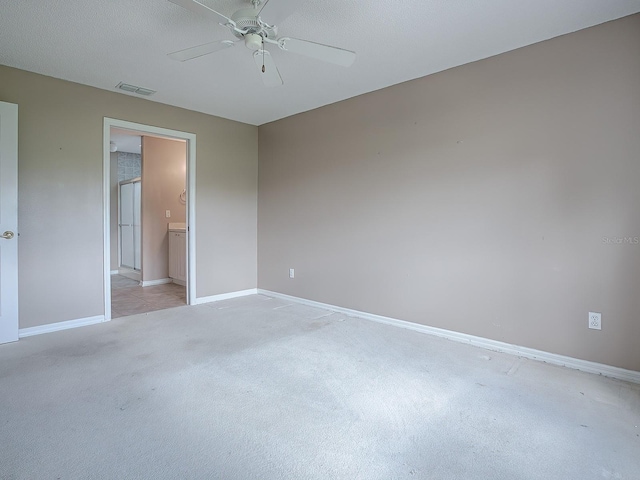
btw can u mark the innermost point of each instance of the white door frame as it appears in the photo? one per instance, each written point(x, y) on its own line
point(142, 129)
point(9, 222)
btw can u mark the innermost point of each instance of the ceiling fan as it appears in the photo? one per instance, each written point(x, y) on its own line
point(248, 26)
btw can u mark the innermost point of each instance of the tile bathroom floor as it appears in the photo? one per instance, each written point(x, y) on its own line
point(129, 298)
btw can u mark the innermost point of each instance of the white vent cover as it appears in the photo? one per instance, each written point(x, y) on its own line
point(133, 89)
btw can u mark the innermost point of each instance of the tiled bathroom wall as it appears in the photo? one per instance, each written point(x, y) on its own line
point(129, 165)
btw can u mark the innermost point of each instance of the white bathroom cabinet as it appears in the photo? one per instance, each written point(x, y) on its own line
point(178, 255)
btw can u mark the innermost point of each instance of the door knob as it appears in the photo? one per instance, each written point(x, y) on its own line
point(8, 235)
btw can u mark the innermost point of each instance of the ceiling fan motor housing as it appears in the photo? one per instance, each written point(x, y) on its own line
point(246, 20)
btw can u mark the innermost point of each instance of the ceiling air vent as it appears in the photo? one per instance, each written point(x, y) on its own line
point(133, 89)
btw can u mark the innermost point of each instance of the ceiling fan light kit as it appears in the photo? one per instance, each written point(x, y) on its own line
point(253, 41)
point(247, 25)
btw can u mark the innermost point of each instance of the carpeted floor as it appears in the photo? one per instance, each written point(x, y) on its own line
point(255, 388)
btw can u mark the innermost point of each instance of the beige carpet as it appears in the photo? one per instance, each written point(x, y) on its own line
point(255, 388)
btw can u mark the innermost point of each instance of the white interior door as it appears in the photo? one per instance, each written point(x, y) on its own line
point(8, 222)
point(137, 234)
point(127, 253)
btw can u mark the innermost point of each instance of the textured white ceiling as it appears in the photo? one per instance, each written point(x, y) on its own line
point(102, 43)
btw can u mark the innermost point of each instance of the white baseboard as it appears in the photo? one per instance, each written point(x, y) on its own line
point(494, 345)
point(114, 272)
point(179, 282)
point(81, 322)
point(226, 296)
point(160, 281)
point(130, 273)
point(54, 327)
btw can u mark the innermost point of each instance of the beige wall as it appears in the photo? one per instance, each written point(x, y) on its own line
point(60, 208)
point(474, 200)
point(164, 173)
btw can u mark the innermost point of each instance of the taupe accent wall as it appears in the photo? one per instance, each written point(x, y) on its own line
point(498, 199)
point(164, 173)
point(60, 185)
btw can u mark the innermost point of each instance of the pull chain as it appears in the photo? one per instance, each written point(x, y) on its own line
point(262, 54)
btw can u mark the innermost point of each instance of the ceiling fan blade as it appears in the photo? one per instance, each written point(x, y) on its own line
point(326, 53)
point(200, 9)
point(275, 11)
point(270, 76)
point(200, 50)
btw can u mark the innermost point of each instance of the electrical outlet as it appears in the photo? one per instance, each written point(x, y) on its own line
point(595, 320)
point(292, 273)
point(167, 213)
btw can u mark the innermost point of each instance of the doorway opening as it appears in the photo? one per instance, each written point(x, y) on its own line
point(149, 218)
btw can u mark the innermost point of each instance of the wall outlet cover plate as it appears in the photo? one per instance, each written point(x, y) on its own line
point(595, 321)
